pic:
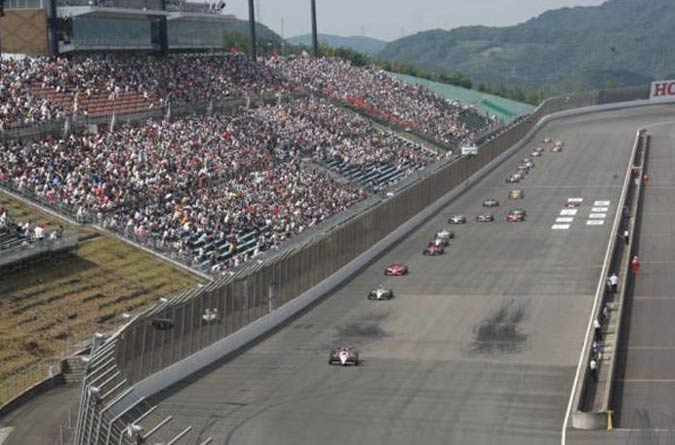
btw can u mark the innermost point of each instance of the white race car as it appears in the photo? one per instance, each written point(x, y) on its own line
point(344, 357)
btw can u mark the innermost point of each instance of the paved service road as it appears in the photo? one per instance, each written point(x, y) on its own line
point(645, 389)
point(480, 346)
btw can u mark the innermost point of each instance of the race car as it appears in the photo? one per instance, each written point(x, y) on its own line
point(490, 203)
point(539, 150)
point(485, 217)
point(440, 242)
point(548, 140)
point(445, 234)
point(381, 293)
point(557, 147)
point(433, 250)
point(396, 270)
point(516, 194)
point(344, 357)
point(535, 154)
point(527, 162)
point(514, 179)
point(519, 211)
point(457, 219)
point(515, 216)
point(523, 169)
point(573, 202)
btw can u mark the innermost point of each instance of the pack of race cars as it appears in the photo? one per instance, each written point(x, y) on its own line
point(346, 356)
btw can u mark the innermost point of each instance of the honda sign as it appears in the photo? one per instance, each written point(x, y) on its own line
point(663, 90)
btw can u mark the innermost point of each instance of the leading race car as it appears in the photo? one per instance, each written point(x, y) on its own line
point(396, 270)
point(573, 202)
point(433, 250)
point(516, 194)
point(490, 203)
point(381, 293)
point(445, 234)
point(344, 357)
point(485, 217)
point(457, 219)
point(515, 216)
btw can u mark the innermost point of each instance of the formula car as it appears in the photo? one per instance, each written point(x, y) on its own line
point(485, 217)
point(396, 270)
point(535, 154)
point(445, 234)
point(516, 194)
point(515, 216)
point(514, 179)
point(557, 147)
point(573, 203)
point(457, 219)
point(523, 169)
point(490, 203)
point(344, 357)
point(433, 250)
point(381, 293)
point(527, 162)
point(518, 212)
point(440, 242)
point(548, 140)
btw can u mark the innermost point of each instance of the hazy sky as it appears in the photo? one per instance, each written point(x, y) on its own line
point(390, 19)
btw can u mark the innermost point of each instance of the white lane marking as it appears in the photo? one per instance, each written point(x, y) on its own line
point(600, 209)
point(564, 219)
point(601, 203)
point(560, 226)
point(575, 199)
point(568, 212)
point(597, 216)
point(595, 222)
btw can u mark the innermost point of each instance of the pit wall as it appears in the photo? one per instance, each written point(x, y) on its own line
point(214, 321)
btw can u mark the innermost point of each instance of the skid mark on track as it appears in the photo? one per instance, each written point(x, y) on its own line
point(500, 332)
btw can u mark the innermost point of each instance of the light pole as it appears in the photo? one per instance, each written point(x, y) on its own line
point(251, 20)
point(315, 37)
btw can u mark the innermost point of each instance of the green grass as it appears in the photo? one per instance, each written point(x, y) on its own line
point(53, 304)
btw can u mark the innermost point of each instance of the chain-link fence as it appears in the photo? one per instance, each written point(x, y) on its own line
point(25, 379)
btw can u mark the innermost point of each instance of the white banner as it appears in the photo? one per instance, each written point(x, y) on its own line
point(662, 90)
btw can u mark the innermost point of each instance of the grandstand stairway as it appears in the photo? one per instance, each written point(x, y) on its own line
point(73, 369)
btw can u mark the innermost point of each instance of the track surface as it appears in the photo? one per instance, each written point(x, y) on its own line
point(645, 390)
point(428, 376)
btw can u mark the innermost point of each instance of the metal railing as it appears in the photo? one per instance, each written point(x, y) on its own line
point(35, 249)
point(18, 383)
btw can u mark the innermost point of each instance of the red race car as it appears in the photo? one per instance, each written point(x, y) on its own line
point(515, 216)
point(396, 270)
point(433, 250)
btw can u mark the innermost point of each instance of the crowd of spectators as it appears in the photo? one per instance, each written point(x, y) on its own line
point(23, 234)
point(205, 186)
point(381, 95)
point(19, 105)
point(178, 78)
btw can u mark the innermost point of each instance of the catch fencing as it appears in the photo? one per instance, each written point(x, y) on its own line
point(180, 326)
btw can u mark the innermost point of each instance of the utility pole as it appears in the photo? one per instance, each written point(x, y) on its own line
point(315, 36)
point(251, 20)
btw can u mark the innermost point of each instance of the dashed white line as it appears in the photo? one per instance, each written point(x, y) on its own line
point(568, 212)
point(597, 216)
point(600, 209)
point(560, 226)
point(595, 222)
point(601, 203)
point(564, 219)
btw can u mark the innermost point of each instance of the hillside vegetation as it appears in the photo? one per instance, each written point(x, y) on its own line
point(622, 42)
point(362, 44)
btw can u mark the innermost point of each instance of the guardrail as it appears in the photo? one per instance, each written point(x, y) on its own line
point(592, 385)
point(35, 249)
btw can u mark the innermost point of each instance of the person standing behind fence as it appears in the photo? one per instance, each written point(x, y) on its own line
point(613, 282)
point(635, 265)
point(593, 365)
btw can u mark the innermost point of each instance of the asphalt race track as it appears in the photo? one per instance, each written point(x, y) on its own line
point(479, 346)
